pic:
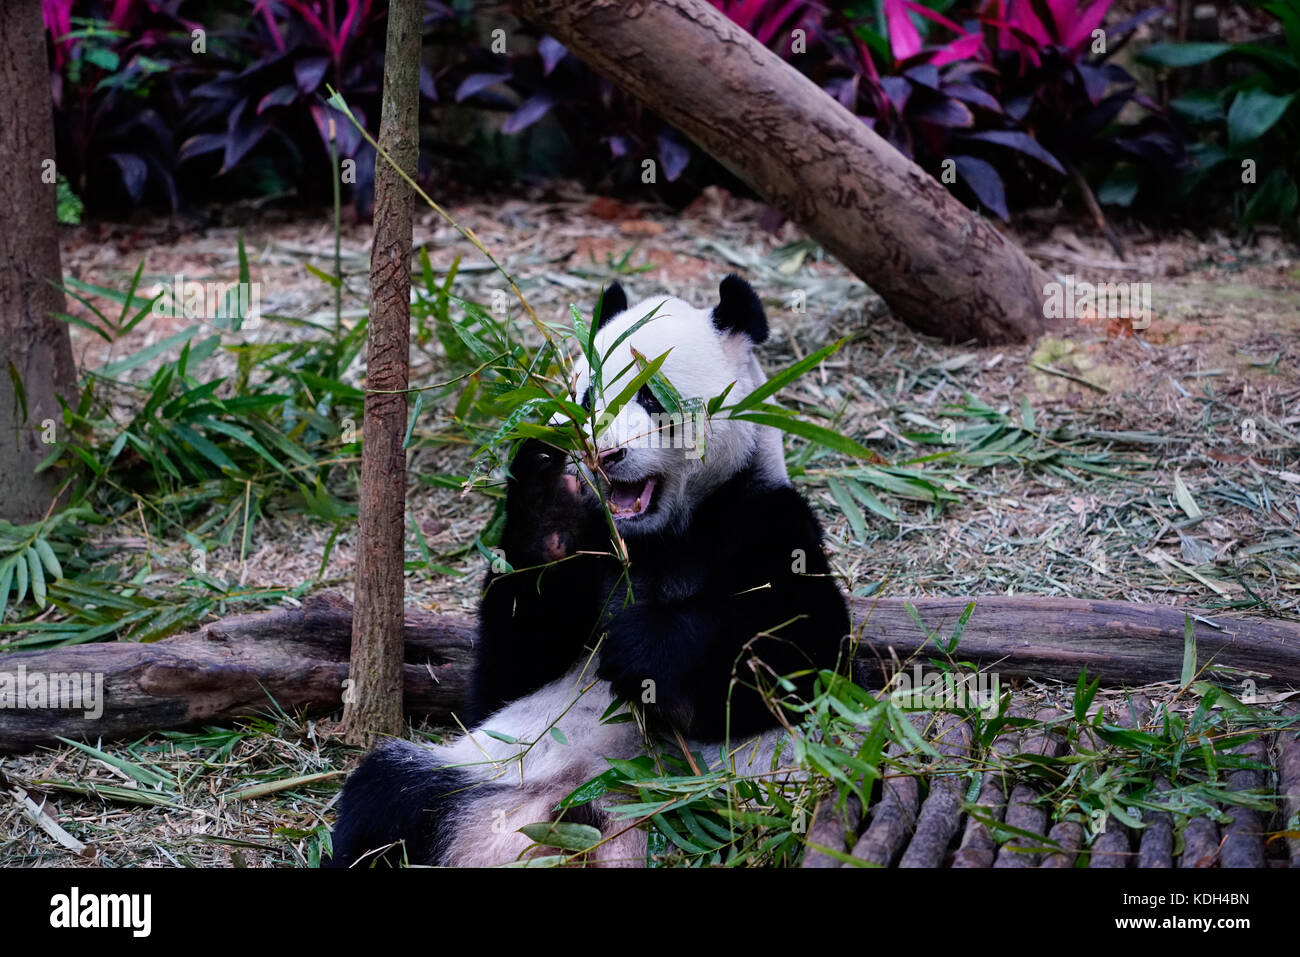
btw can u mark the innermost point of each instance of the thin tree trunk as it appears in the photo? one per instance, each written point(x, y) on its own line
point(942, 269)
point(373, 700)
point(35, 349)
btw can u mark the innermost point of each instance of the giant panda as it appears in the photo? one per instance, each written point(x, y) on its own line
point(726, 589)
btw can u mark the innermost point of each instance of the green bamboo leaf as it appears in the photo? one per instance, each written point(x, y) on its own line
point(410, 426)
point(205, 448)
point(150, 775)
point(243, 438)
point(84, 323)
point(631, 389)
point(48, 558)
point(786, 376)
point(20, 576)
point(37, 572)
point(323, 276)
point(6, 582)
point(130, 295)
point(20, 394)
point(807, 430)
point(1189, 650)
point(128, 363)
point(868, 499)
point(850, 509)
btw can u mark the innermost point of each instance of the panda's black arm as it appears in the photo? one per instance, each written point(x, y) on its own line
point(533, 625)
point(679, 659)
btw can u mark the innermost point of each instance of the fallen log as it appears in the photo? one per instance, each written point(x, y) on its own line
point(941, 268)
point(1024, 811)
point(298, 658)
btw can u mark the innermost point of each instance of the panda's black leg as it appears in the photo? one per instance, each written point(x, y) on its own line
point(393, 808)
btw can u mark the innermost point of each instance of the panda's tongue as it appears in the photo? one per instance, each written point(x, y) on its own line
point(630, 498)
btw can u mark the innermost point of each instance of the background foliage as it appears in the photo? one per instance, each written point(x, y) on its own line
point(1009, 102)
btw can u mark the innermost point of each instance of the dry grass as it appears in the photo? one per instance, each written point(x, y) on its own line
point(1095, 511)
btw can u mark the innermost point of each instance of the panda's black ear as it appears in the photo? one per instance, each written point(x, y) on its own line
point(612, 302)
point(740, 310)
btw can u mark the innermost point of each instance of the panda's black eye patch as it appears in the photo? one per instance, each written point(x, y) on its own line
point(586, 399)
point(648, 400)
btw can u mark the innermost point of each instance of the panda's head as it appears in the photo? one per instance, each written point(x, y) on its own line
point(654, 466)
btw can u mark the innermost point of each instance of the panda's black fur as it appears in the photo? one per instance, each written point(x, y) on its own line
point(740, 595)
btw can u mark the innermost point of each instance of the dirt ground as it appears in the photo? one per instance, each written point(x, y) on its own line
point(1189, 434)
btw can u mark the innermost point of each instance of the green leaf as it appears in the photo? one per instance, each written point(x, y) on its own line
point(786, 376)
point(1199, 106)
point(1253, 113)
point(562, 834)
point(323, 276)
point(415, 414)
point(807, 430)
point(1083, 695)
point(150, 776)
point(48, 558)
point(1189, 650)
point(851, 511)
point(558, 735)
point(6, 581)
point(20, 394)
point(20, 576)
point(1183, 54)
point(958, 630)
point(867, 498)
point(631, 389)
point(1185, 500)
point(127, 363)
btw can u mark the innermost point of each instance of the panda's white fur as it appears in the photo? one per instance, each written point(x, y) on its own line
point(476, 792)
point(509, 785)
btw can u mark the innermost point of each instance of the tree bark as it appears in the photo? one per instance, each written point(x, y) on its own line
point(373, 701)
point(35, 349)
point(298, 658)
point(942, 269)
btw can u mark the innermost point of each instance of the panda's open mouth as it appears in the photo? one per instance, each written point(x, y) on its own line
point(629, 499)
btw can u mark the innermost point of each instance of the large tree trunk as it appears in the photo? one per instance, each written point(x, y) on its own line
point(373, 702)
point(35, 350)
point(942, 269)
point(297, 658)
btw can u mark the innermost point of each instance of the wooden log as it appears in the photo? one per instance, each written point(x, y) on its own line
point(299, 657)
point(1024, 812)
point(1113, 846)
point(1200, 843)
point(832, 827)
point(978, 848)
point(941, 268)
point(1068, 836)
point(894, 816)
point(1243, 839)
point(1156, 848)
point(941, 811)
point(1288, 785)
point(1125, 643)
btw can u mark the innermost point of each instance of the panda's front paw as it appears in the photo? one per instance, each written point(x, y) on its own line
point(547, 516)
